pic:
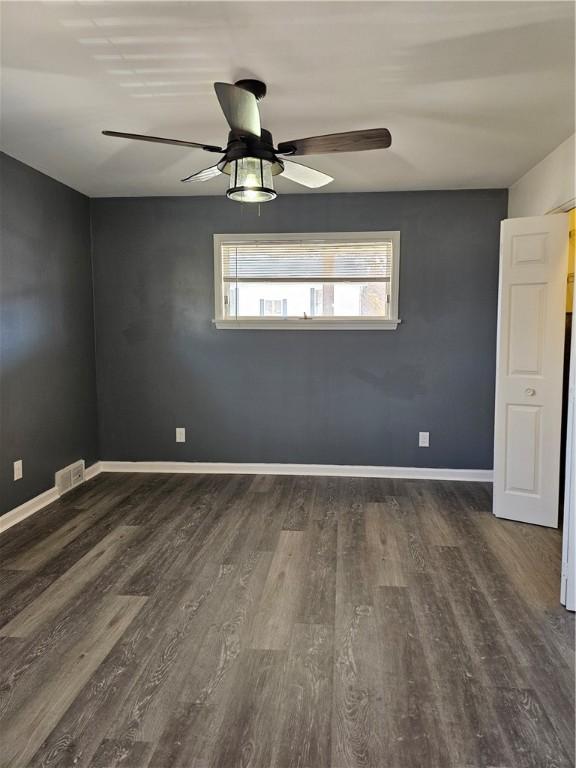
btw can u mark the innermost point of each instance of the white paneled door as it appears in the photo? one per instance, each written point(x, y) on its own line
point(530, 357)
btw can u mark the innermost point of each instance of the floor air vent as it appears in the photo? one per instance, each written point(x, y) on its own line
point(67, 478)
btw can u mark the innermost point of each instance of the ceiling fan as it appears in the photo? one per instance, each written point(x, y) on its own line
point(250, 158)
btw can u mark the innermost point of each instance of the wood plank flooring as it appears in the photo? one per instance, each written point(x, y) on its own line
point(205, 621)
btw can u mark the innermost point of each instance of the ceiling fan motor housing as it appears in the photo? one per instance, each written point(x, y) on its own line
point(250, 146)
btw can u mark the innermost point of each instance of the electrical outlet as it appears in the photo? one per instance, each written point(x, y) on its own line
point(18, 470)
point(423, 439)
point(180, 434)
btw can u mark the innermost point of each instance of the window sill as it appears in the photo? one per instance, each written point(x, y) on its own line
point(308, 324)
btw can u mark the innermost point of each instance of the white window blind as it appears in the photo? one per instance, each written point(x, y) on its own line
point(314, 261)
point(334, 280)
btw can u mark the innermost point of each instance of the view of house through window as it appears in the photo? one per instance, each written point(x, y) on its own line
point(312, 299)
point(287, 276)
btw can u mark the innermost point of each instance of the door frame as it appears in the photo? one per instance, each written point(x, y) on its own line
point(568, 578)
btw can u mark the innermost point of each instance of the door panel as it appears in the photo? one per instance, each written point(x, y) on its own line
point(533, 267)
point(522, 448)
point(526, 329)
point(529, 248)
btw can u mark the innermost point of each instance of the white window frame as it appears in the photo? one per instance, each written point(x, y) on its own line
point(307, 323)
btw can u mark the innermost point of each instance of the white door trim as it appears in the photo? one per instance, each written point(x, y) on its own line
point(568, 581)
point(563, 207)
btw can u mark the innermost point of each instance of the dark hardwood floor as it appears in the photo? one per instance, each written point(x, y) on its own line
point(199, 621)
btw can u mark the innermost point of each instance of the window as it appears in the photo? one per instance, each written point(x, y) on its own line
point(273, 307)
point(342, 280)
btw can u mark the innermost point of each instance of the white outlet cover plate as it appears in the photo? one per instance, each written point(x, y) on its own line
point(423, 439)
point(18, 470)
point(180, 434)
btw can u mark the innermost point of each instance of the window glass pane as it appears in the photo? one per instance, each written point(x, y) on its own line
point(284, 299)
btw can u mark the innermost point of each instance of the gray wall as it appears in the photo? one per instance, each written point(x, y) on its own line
point(47, 371)
point(347, 397)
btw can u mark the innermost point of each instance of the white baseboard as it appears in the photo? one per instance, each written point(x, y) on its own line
point(93, 470)
point(20, 513)
point(221, 468)
point(319, 470)
point(31, 506)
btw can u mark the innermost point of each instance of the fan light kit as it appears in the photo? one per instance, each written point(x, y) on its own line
point(251, 180)
point(250, 158)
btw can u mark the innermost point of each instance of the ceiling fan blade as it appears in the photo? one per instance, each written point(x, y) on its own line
point(159, 140)
point(205, 175)
point(240, 109)
point(352, 141)
point(301, 174)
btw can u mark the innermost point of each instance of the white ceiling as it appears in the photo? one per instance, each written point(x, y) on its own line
point(474, 93)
